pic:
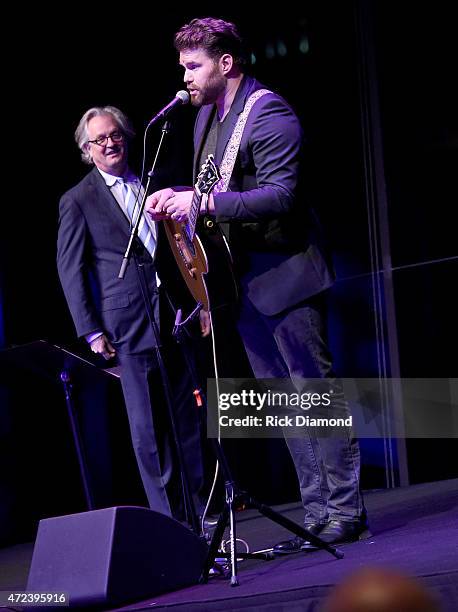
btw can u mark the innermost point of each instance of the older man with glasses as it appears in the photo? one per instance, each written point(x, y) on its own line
point(95, 222)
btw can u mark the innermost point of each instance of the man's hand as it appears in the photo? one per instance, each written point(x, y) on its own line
point(205, 322)
point(102, 346)
point(167, 203)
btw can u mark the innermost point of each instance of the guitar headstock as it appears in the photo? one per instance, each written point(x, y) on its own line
point(208, 176)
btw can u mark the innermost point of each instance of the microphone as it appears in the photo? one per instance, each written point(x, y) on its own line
point(181, 97)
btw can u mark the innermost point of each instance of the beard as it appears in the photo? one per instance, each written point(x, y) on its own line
point(209, 93)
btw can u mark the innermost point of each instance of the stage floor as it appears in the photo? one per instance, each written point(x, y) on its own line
point(415, 531)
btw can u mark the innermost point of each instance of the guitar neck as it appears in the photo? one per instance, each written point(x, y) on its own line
point(206, 180)
point(194, 213)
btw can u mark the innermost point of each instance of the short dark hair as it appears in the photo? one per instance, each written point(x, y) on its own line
point(215, 36)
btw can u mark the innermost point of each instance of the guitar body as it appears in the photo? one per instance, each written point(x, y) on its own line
point(190, 258)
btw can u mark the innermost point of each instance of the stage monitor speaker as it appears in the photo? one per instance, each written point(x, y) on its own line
point(114, 555)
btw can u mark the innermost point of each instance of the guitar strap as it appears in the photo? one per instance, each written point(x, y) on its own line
point(230, 154)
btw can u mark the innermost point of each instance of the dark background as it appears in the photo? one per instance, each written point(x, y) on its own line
point(61, 62)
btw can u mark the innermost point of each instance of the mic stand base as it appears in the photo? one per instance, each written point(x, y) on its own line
point(237, 498)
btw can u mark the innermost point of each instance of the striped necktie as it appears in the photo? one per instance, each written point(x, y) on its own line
point(132, 207)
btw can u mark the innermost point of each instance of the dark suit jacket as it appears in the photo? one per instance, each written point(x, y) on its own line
point(272, 234)
point(92, 238)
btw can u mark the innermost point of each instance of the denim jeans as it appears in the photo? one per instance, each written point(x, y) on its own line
point(292, 345)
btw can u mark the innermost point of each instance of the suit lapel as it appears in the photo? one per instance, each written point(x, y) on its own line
point(106, 200)
point(204, 116)
point(247, 86)
point(226, 129)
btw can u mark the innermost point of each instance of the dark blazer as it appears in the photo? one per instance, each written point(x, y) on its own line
point(92, 238)
point(272, 234)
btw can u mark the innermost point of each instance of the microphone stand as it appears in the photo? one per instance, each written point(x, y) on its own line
point(236, 497)
point(190, 510)
point(134, 232)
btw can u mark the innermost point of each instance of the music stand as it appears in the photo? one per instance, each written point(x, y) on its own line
point(61, 367)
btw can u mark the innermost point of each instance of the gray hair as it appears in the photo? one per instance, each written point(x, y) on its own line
point(82, 137)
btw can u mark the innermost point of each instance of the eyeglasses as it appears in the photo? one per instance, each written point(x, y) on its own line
point(103, 140)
